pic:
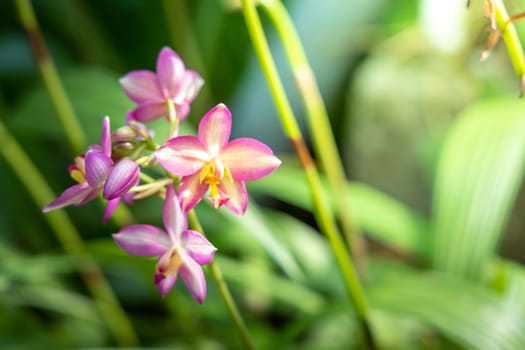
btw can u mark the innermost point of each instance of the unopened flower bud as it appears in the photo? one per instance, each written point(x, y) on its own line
point(141, 130)
point(124, 134)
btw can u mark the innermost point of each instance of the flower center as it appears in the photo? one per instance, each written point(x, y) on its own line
point(78, 170)
point(173, 264)
point(212, 173)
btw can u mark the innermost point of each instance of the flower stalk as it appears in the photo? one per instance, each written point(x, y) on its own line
point(322, 212)
point(70, 239)
point(506, 29)
point(318, 122)
point(224, 291)
point(52, 81)
point(56, 91)
point(214, 269)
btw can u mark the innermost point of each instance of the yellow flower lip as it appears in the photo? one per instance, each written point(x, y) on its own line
point(213, 173)
point(78, 170)
point(78, 176)
point(173, 265)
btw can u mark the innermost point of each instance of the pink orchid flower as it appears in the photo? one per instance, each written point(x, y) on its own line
point(179, 249)
point(95, 172)
point(172, 83)
point(210, 161)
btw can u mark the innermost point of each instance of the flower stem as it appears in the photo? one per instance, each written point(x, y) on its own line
point(180, 29)
point(70, 239)
point(322, 212)
point(54, 86)
point(512, 40)
point(318, 121)
point(173, 120)
point(216, 273)
point(226, 296)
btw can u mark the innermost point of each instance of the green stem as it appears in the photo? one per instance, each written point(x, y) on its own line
point(70, 239)
point(322, 212)
point(511, 38)
point(226, 296)
point(182, 35)
point(216, 273)
point(318, 121)
point(66, 114)
point(173, 120)
point(57, 93)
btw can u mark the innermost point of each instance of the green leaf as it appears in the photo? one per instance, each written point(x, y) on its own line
point(94, 93)
point(254, 224)
point(267, 284)
point(55, 299)
point(467, 313)
point(508, 277)
point(478, 176)
point(380, 216)
point(310, 250)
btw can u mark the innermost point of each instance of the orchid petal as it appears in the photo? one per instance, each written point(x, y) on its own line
point(248, 159)
point(193, 276)
point(164, 283)
point(238, 197)
point(97, 166)
point(170, 71)
point(128, 197)
point(142, 240)
point(174, 221)
point(190, 85)
point(191, 191)
point(164, 260)
point(198, 247)
point(141, 85)
point(74, 195)
point(148, 111)
point(121, 179)
point(215, 127)
point(110, 208)
point(182, 110)
point(183, 155)
point(105, 137)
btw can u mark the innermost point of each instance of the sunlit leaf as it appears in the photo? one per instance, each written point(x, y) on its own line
point(380, 216)
point(311, 251)
point(268, 284)
point(478, 176)
point(466, 313)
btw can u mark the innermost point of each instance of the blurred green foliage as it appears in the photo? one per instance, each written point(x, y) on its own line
point(433, 143)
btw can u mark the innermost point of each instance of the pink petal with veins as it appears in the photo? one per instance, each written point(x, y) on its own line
point(164, 283)
point(193, 277)
point(97, 166)
point(170, 71)
point(142, 240)
point(198, 247)
point(122, 177)
point(183, 155)
point(249, 159)
point(238, 197)
point(190, 85)
point(191, 191)
point(110, 208)
point(174, 221)
point(215, 128)
point(74, 195)
point(182, 110)
point(105, 137)
point(148, 111)
point(141, 85)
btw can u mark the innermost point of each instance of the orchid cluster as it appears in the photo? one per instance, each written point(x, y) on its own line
point(194, 166)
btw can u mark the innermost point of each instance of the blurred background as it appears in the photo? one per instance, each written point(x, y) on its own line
point(395, 75)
